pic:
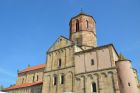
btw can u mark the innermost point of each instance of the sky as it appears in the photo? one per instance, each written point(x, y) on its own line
point(29, 27)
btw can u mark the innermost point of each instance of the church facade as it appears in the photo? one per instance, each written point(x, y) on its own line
point(78, 65)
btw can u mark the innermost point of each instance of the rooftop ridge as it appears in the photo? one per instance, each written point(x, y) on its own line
point(23, 86)
point(32, 68)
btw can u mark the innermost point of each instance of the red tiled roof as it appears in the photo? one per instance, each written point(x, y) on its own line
point(32, 68)
point(23, 86)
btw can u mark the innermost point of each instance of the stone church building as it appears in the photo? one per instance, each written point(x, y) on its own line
point(78, 65)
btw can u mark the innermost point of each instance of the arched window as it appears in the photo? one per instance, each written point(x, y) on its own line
point(59, 63)
point(54, 80)
point(62, 79)
point(86, 23)
point(92, 61)
point(93, 87)
point(77, 25)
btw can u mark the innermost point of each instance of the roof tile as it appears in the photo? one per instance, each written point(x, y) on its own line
point(23, 86)
point(32, 68)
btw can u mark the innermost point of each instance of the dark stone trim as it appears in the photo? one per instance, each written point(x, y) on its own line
point(83, 31)
point(56, 41)
point(96, 71)
point(96, 48)
point(59, 49)
point(52, 61)
point(97, 58)
point(124, 60)
point(59, 69)
point(65, 58)
point(85, 63)
point(111, 56)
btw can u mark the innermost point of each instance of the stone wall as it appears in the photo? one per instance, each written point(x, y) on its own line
point(48, 84)
point(102, 58)
point(105, 80)
point(60, 61)
point(30, 77)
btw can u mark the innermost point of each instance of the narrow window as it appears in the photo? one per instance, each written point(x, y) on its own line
point(59, 63)
point(60, 40)
point(62, 79)
point(92, 62)
point(93, 86)
point(78, 41)
point(77, 25)
point(55, 80)
point(22, 80)
point(86, 24)
point(129, 84)
point(33, 78)
point(37, 77)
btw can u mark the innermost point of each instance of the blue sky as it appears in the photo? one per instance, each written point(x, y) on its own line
point(29, 27)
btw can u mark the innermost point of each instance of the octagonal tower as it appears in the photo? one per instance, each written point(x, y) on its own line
point(83, 30)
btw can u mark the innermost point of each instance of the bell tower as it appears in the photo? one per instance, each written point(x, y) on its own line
point(83, 30)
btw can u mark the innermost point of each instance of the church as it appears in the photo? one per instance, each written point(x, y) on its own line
point(78, 65)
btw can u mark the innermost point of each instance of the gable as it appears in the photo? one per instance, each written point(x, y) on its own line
point(115, 54)
point(61, 42)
